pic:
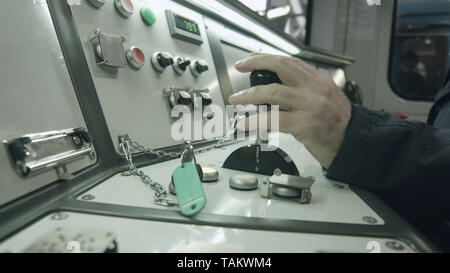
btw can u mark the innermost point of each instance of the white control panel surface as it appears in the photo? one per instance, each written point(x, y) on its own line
point(146, 236)
point(331, 201)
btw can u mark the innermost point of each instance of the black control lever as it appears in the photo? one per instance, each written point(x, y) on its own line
point(259, 157)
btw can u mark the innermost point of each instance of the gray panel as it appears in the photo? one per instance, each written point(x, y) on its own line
point(133, 101)
point(239, 81)
point(37, 93)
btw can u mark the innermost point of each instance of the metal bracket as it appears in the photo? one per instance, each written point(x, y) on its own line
point(42, 151)
point(289, 182)
point(108, 49)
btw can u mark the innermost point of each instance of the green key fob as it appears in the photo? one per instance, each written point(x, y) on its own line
point(188, 186)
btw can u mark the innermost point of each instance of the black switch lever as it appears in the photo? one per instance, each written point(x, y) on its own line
point(262, 77)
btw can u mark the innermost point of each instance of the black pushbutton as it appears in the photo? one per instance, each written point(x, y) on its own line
point(184, 98)
point(183, 63)
point(164, 61)
point(263, 77)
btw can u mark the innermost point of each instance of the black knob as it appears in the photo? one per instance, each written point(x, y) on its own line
point(183, 63)
point(201, 67)
point(184, 98)
point(164, 60)
point(206, 99)
point(262, 77)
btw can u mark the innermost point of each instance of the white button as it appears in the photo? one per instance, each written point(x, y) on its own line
point(124, 7)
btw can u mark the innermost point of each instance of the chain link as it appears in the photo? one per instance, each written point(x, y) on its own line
point(160, 195)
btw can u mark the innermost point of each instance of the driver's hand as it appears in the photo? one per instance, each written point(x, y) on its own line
point(313, 109)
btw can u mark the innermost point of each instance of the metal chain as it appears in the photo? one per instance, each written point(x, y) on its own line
point(160, 196)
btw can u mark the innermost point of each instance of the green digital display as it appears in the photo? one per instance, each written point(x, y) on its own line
point(186, 24)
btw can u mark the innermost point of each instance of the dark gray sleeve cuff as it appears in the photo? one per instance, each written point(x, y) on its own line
point(347, 163)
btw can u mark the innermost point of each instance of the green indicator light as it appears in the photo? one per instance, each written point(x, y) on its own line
point(148, 16)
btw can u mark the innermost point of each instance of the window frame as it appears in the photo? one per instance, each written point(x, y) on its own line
point(391, 60)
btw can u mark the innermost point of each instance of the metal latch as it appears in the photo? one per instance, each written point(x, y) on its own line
point(287, 187)
point(36, 152)
point(108, 49)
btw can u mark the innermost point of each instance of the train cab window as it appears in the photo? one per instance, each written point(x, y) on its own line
point(285, 16)
point(420, 48)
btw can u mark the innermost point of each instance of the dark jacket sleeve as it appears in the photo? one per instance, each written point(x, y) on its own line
point(406, 163)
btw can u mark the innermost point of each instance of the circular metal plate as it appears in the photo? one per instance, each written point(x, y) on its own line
point(286, 192)
point(243, 182)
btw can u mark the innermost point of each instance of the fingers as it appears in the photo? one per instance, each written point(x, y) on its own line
point(290, 70)
point(275, 94)
point(270, 121)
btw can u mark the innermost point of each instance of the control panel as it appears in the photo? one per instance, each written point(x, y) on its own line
point(148, 75)
point(146, 59)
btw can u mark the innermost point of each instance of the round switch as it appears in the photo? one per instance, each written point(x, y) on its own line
point(124, 7)
point(135, 57)
point(198, 67)
point(148, 16)
point(161, 60)
point(180, 64)
point(97, 3)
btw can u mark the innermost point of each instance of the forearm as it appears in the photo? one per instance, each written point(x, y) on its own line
point(398, 159)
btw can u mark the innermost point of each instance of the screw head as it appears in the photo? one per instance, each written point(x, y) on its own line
point(395, 245)
point(88, 197)
point(76, 140)
point(370, 220)
point(60, 216)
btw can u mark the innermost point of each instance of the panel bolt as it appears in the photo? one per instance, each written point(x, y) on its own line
point(369, 219)
point(88, 197)
point(60, 216)
point(395, 245)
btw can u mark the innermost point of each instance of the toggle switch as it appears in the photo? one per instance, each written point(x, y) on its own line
point(124, 7)
point(178, 96)
point(206, 98)
point(161, 60)
point(135, 57)
point(180, 64)
point(197, 67)
point(184, 98)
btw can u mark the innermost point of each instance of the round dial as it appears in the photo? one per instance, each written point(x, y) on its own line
point(180, 64)
point(161, 60)
point(198, 67)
